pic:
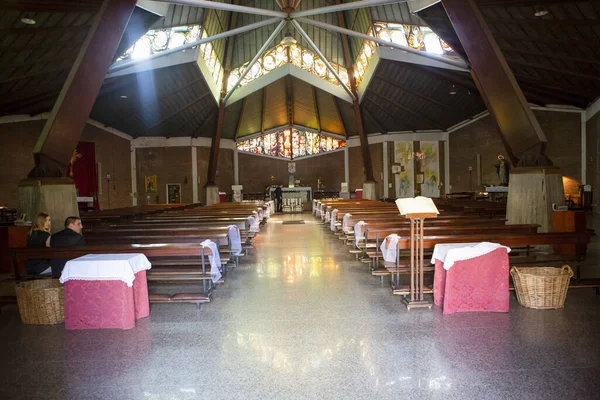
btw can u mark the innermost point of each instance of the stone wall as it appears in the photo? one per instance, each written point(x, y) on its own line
point(562, 130)
point(16, 160)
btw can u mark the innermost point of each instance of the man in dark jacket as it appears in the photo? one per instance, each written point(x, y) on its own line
point(278, 197)
point(70, 236)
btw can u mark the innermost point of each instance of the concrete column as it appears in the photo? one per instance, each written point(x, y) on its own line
point(134, 193)
point(385, 171)
point(236, 166)
point(447, 166)
point(195, 174)
point(583, 148)
point(346, 166)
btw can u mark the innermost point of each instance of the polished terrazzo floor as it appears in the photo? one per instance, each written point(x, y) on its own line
point(300, 318)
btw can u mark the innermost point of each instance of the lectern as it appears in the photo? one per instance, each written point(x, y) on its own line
point(417, 210)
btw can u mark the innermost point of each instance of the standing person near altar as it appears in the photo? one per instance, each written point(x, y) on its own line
point(279, 198)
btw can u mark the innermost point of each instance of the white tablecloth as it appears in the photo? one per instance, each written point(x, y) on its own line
point(451, 253)
point(105, 267)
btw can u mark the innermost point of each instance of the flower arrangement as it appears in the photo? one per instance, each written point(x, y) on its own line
point(417, 155)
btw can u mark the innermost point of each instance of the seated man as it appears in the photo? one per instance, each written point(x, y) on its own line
point(70, 236)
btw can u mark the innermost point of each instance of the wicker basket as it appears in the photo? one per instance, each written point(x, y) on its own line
point(541, 287)
point(41, 302)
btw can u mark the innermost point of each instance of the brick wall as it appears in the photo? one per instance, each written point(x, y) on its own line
point(113, 153)
point(256, 171)
point(16, 160)
point(562, 131)
point(170, 165)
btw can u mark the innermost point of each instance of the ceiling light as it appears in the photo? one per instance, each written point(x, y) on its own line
point(123, 96)
point(453, 90)
point(28, 21)
point(288, 39)
point(541, 13)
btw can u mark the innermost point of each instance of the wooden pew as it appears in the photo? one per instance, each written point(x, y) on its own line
point(154, 253)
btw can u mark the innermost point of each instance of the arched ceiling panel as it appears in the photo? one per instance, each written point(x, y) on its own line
point(330, 118)
point(304, 103)
point(250, 120)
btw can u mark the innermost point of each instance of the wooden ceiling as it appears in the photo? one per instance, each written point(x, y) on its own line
point(555, 58)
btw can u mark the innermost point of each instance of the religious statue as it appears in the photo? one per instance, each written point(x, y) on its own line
point(502, 170)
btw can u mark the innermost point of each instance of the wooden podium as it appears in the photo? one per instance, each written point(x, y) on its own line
point(417, 210)
point(417, 262)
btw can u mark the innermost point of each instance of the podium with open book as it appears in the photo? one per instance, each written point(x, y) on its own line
point(417, 210)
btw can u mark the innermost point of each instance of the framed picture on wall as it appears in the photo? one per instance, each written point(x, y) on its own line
point(173, 193)
point(150, 183)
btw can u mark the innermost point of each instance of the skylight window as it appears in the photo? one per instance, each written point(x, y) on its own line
point(418, 37)
point(157, 40)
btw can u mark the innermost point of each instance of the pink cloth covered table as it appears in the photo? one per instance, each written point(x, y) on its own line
point(475, 284)
point(104, 292)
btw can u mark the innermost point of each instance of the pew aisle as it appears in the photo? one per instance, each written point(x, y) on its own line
point(300, 318)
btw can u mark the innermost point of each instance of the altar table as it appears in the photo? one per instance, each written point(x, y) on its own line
point(104, 291)
point(471, 277)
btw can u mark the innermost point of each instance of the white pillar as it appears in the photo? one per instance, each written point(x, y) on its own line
point(346, 166)
point(386, 168)
point(583, 148)
point(134, 193)
point(236, 166)
point(194, 174)
point(447, 164)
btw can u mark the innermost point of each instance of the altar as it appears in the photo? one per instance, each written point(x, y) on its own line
point(295, 199)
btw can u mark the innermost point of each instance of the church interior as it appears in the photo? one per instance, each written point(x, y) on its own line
point(305, 199)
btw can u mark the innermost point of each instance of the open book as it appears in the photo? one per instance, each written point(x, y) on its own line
point(417, 205)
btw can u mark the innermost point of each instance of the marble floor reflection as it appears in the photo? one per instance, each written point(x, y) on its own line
point(300, 318)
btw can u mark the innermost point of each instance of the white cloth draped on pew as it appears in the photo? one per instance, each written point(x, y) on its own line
point(261, 214)
point(333, 219)
point(345, 226)
point(235, 240)
point(105, 267)
point(359, 231)
point(254, 224)
point(451, 253)
point(328, 216)
point(389, 248)
point(215, 260)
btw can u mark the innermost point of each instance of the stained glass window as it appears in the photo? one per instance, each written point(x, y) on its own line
point(418, 37)
point(157, 40)
point(362, 62)
point(291, 143)
point(211, 60)
point(280, 55)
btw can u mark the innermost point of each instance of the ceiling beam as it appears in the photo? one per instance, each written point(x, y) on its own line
point(568, 59)
point(410, 123)
point(435, 124)
point(316, 106)
point(228, 7)
point(422, 96)
point(368, 114)
point(343, 7)
point(178, 111)
point(553, 70)
point(314, 47)
point(454, 62)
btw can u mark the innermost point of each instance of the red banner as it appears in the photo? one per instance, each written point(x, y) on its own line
point(82, 170)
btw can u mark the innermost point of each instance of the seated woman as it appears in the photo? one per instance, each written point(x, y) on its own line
point(39, 237)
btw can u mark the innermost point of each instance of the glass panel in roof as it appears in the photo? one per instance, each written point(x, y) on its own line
point(157, 40)
point(418, 37)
